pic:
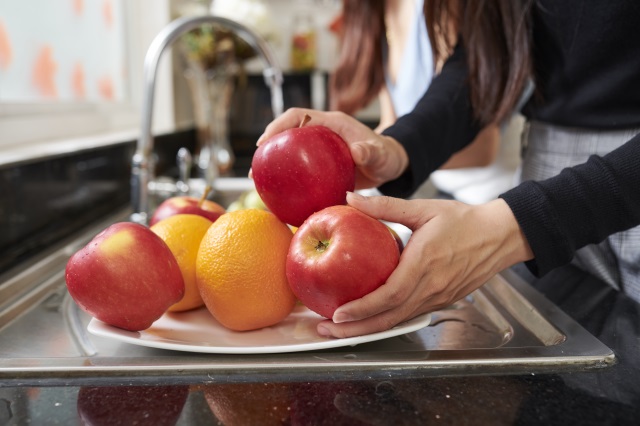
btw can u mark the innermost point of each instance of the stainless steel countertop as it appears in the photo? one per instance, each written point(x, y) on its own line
point(505, 327)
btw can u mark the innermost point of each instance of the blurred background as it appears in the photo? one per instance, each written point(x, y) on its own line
point(72, 108)
point(71, 99)
point(76, 65)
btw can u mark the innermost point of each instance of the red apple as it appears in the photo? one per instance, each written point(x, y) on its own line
point(397, 237)
point(126, 277)
point(131, 405)
point(303, 170)
point(339, 254)
point(187, 205)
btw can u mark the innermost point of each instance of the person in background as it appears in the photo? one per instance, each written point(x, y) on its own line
point(386, 54)
point(579, 199)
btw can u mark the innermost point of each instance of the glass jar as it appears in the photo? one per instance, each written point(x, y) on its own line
point(303, 42)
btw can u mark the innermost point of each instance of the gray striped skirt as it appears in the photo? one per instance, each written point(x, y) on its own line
point(547, 150)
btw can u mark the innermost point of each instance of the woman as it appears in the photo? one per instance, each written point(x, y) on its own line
point(386, 54)
point(585, 62)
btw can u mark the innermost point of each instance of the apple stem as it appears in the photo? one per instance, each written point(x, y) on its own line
point(321, 246)
point(305, 120)
point(207, 190)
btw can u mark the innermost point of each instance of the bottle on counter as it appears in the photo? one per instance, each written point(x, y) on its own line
point(303, 42)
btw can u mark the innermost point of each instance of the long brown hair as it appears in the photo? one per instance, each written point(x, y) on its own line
point(359, 75)
point(495, 34)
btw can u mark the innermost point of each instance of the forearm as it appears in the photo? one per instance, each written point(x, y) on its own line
point(387, 114)
point(441, 124)
point(580, 206)
point(479, 153)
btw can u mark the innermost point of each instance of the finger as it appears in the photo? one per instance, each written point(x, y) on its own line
point(395, 293)
point(377, 323)
point(409, 213)
point(367, 154)
point(360, 153)
point(403, 292)
point(386, 319)
point(289, 119)
point(347, 127)
point(367, 175)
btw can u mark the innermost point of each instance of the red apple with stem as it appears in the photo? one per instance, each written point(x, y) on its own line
point(188, 205)
point(339, 254)
point(303, 170)
point(126, 276)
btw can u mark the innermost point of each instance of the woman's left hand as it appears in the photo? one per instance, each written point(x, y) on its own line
point(454, 249)
point(378, 158)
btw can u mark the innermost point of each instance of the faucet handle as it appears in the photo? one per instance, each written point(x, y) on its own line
point(185, 161)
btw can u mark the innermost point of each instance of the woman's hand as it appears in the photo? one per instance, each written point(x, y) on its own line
point(378, 158)
point(454, 249)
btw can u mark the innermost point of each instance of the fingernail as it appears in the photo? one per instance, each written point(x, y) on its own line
point(339, 317)
point(323, 331)
point(260, 140)
point(250, 174)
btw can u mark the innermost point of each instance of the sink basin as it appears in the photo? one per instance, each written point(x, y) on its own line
point(505, 326)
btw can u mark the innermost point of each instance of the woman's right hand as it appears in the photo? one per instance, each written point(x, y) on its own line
point(454, 249)
point(378, 158)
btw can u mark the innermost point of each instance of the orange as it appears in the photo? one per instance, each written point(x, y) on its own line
point(241, 404)
point(183, 233)
point(240, 270)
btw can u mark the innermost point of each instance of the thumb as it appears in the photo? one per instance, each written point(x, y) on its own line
point(370, 155)
point(411, 215)
point(361, 153)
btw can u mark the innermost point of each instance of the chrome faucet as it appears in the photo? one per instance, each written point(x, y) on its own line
point(142, 167)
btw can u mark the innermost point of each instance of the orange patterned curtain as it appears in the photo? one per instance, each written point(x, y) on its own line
point(62, 50)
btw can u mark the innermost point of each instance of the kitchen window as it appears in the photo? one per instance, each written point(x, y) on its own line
point(71, 72)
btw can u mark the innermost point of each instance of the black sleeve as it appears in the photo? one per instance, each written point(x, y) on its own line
point(440, 125)
point(582, 205)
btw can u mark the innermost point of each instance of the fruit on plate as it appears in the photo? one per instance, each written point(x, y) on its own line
point(240, 270)
point(248, 200)
point(183, 233)
point(187, 205)
point(126, 276)
point(339, 254)
point(303, 170)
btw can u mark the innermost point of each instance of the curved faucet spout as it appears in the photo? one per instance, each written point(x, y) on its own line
point(142, 171)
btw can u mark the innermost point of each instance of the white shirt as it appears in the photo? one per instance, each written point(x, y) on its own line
point(473, 185)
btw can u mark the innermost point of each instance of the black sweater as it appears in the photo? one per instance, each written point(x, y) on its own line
point(587, 65)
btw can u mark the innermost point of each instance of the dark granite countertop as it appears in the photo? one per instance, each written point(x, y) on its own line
point(605, 396)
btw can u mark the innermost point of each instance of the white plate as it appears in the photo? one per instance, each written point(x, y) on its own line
point(198, 331)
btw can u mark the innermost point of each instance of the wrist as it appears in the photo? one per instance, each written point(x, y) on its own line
point(513, 245)
point(400, 157)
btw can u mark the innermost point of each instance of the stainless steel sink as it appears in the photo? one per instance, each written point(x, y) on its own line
point(504, 327)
